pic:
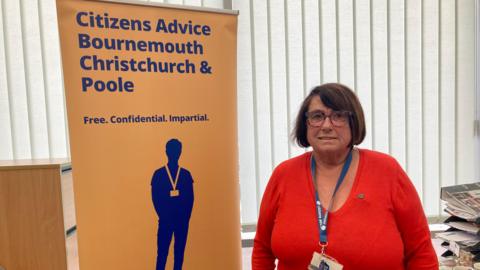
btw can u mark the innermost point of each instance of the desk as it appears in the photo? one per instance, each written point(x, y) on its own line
point(32, 230)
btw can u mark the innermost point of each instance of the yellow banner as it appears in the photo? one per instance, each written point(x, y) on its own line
point(151, 102)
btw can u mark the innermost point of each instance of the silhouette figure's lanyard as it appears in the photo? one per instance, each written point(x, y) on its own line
point(323, 218)
point(173, 182)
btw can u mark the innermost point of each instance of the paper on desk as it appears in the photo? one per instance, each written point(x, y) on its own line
point(460, 213)
point(458, 236)
point(465, 226)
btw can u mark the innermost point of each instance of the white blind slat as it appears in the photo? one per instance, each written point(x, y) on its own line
point(380, 89)
point(213, 3)
point(262, 94)
point(196, 3)
point(447, 93)
point(177, 2)
point(52, 67)
point(363, 70)
point(346, 48)
point(34, 79)
point(430, 107)
point(477, 88)
point(328, 41)
point(397, 80)
point(465, 90)
point(414, 92)
point(278, 82)
point(295, 61)
point(6, 147)
point(312, 46)
point(16, 79)
point(246, 122)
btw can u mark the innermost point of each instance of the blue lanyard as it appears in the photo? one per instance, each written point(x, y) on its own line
point(323, 218)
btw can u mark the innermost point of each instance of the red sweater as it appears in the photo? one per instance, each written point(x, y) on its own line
point(384, 230)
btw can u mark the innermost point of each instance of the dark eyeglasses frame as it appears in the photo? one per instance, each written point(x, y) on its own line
point(336, 123)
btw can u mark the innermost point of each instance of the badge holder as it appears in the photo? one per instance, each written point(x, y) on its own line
point(321, 261)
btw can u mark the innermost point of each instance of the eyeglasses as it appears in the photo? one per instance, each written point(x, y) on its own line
point(338, 118)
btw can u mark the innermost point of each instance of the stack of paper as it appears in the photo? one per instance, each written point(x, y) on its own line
point(463, 204)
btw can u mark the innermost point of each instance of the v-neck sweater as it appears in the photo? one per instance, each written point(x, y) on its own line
point(380, 226)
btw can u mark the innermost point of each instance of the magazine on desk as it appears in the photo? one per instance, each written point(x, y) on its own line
point(463, 204)
point(463, 225)
point(463, 201)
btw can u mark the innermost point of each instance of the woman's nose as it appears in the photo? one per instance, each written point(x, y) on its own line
point(327, 123)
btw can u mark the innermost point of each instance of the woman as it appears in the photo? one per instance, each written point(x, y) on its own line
point(339, 205)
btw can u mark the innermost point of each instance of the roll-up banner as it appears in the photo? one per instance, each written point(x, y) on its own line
point(151, 104)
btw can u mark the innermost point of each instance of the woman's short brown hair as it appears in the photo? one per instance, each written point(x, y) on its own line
point(336, 97)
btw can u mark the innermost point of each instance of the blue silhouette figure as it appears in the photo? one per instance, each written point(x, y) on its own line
point(172, 195)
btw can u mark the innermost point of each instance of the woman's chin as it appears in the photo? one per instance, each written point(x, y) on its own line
point(330, 148)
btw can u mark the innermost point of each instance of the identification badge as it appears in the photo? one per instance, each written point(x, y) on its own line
point(174, 193)
point(324, 262)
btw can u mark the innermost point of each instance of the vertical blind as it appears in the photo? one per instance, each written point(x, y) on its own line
point(32, 110)
point(411, 62)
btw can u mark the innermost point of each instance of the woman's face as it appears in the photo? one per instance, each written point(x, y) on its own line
point(327, 138)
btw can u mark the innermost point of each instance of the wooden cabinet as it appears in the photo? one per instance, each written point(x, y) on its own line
point(32, 224)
